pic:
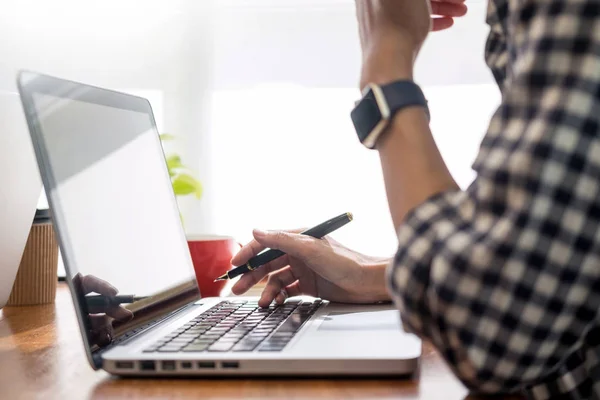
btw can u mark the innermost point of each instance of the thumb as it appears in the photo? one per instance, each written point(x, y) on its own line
point(296, 245)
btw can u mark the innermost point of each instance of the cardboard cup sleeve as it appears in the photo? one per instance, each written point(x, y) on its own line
point(37, 275)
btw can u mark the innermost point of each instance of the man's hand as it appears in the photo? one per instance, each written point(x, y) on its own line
point(444, 11)
point(393, 31)
point(315, 267)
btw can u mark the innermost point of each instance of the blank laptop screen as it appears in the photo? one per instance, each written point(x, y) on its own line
point(113, 205)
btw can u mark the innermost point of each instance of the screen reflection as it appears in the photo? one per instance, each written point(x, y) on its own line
point(111, 314)
point(113, 207)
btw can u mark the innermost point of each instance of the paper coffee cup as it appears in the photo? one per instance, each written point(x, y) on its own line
point(37, 275)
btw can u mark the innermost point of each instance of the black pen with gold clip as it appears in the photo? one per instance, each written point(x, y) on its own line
point(269, 255)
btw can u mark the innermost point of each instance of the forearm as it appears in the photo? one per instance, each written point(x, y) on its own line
point(413, 168)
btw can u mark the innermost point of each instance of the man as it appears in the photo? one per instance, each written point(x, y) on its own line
point(504, 277)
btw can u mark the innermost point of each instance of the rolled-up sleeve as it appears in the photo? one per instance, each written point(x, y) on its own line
point(504, 277)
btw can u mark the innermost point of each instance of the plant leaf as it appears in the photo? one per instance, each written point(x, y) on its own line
point(173, 162)
point(167, 136)
point(185, 184)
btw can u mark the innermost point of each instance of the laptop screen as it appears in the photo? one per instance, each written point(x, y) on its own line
point(113, 206)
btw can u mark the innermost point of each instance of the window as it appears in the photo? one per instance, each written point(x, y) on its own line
point(260, 92)
point(282, 147)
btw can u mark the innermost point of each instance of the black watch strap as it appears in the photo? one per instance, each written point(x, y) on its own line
point(402, 94)
point(379, 104)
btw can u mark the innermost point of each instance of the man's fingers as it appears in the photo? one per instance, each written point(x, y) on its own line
point(281, 296)
point(294, 244)
point(277, 281)
point(439, 24)
point(101, 330)
point(247, 252)
point(449, 1)
point(115, 311)
point(289, 291)
point(294, 289)
point(290, 242)
point(119, 313)
point(252, 278)
point(447, 9)
point(251, 249)
point(90, 283)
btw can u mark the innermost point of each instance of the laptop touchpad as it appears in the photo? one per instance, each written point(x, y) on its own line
point(361, 321)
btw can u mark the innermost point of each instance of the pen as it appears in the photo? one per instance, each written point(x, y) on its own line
point(261, 259)
point(106, 301)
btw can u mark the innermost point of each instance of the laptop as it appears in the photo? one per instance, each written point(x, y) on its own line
point(118, 224)
point(20, 189)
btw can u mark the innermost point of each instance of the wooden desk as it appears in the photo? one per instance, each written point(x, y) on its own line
point(41, 356)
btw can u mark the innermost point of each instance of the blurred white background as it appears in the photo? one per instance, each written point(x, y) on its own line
point(259, 93)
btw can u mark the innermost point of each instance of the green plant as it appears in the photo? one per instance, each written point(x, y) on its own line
point(183, 181)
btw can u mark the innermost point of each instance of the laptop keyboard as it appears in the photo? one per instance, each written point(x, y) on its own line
point(239, 325)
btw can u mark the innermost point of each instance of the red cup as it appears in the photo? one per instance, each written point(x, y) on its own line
point(211, 256)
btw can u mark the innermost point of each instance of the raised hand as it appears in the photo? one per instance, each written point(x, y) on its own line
point(443, 13)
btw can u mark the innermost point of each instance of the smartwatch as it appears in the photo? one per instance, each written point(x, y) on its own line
point(373, 113)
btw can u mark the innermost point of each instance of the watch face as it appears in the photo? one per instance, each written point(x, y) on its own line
point(366, 115)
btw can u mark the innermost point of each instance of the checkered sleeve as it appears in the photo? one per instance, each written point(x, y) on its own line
point(504, 277)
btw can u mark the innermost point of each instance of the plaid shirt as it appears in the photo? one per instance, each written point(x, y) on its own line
point(504, 277)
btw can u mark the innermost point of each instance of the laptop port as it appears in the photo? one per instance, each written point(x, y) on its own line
point(206, 364)
point(124, 364)
point(230, 364)
point(186, 365)
point(168, 365)
point(147, 365)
